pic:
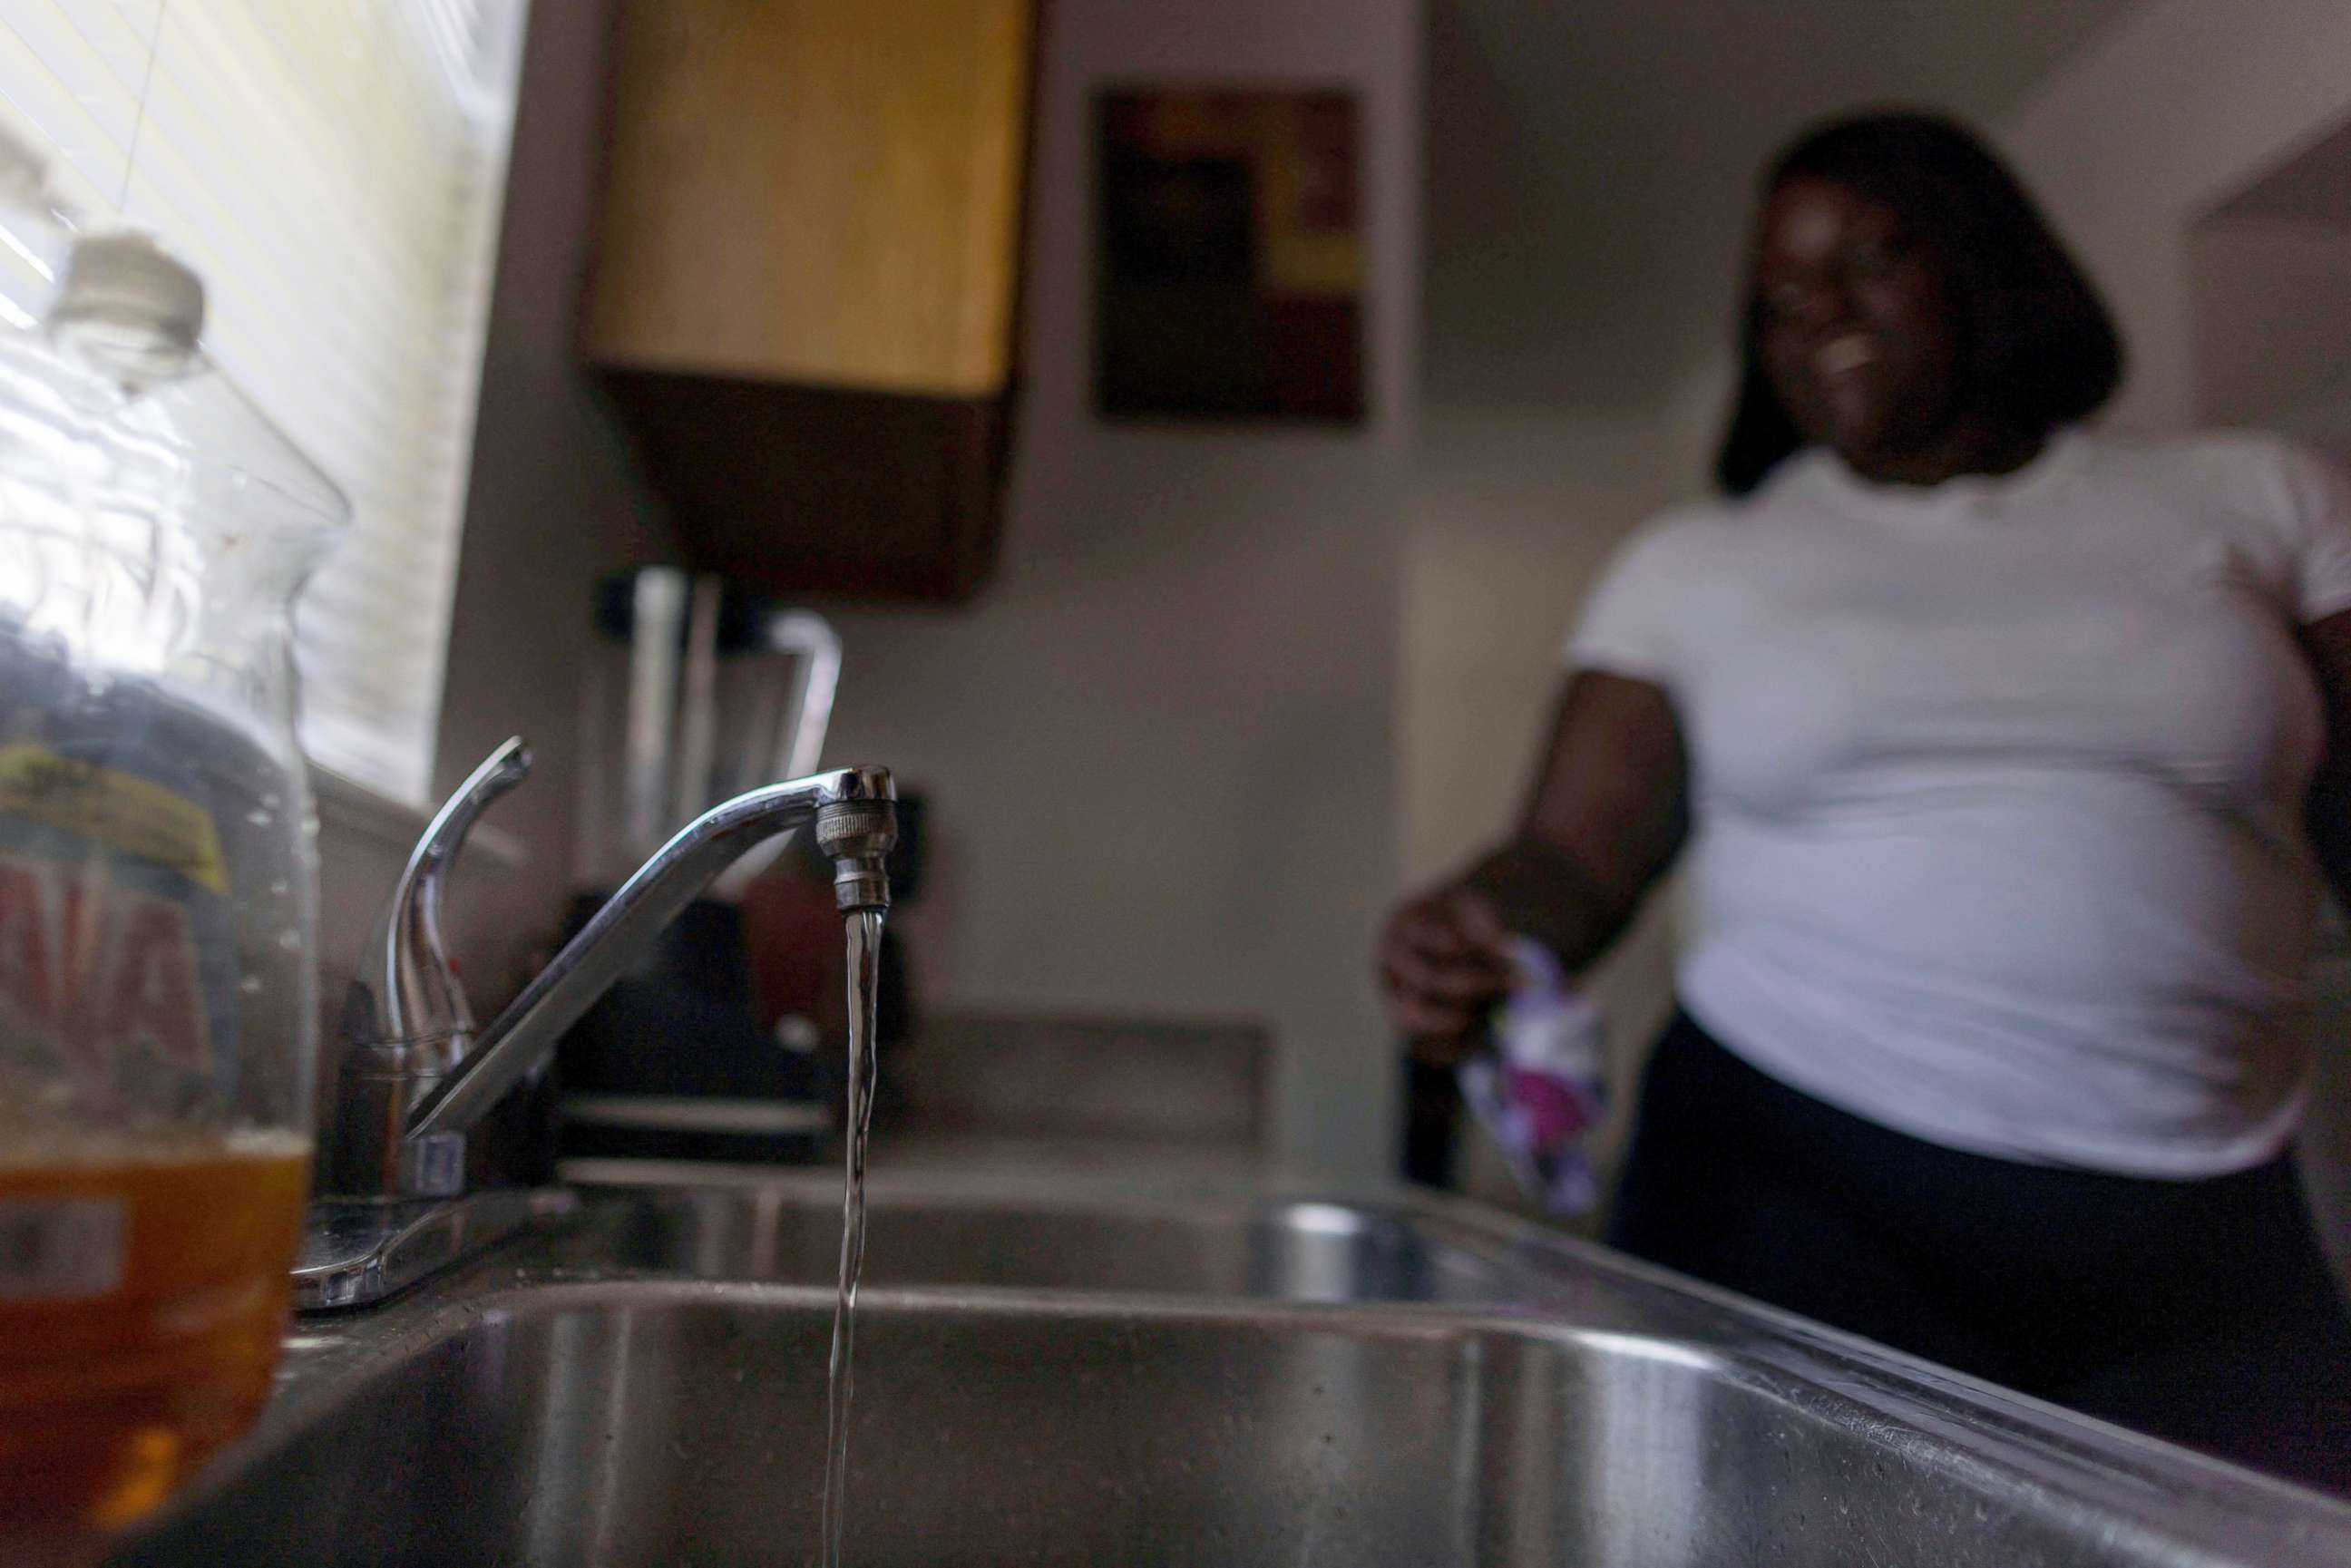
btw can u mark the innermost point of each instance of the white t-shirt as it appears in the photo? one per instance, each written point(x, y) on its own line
point(1998, 789)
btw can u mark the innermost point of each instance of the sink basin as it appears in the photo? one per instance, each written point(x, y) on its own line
point(1215, 1381)
point(1295, 1248)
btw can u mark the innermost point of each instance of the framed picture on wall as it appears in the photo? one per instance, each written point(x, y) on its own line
point(1229, 257)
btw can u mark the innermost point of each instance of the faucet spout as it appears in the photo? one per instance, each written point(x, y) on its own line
point(856, 824)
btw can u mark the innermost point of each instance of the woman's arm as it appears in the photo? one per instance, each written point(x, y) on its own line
point(1608, 811)
point(2327, 643)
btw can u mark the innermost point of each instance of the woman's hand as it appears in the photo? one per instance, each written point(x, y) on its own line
point(1444, 961)
point(1608, 814)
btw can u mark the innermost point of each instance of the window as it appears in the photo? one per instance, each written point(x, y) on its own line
point(334, 170)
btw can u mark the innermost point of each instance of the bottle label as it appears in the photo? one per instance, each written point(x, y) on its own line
point(117, 963)
point(59, 1249)
point(130, 815)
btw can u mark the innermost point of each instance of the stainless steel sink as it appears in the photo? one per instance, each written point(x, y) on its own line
point(1299, 1248)
point(1228, 1380)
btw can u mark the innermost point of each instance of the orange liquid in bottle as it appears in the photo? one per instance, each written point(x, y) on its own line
point(113, 1389)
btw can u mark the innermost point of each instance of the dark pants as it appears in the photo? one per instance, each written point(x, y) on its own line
point(2199, 1311)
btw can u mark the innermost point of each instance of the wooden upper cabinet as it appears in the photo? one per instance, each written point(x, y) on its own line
point(817, 190)
point(806, 273)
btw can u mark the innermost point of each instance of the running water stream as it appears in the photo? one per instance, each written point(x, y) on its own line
point(864, 959)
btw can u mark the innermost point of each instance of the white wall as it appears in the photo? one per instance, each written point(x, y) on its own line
point(1161, 747)
point(554, 503)
point(2169, 115)
point(1516, 509)
point(2271, 302)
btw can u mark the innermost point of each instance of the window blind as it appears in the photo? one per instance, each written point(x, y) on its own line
point(334, 169)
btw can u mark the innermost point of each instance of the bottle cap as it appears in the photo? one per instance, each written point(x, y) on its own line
point(127, 290)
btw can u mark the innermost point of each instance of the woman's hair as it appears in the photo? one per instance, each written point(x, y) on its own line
point(2034, 340)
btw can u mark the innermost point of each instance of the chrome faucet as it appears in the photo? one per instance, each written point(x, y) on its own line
point(414, 1075)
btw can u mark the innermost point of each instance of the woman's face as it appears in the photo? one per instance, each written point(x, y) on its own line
point(1855, 329)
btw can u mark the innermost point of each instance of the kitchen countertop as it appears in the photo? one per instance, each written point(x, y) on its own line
point(976, 1153)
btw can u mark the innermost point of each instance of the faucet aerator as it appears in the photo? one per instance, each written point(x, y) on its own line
point(858, 835)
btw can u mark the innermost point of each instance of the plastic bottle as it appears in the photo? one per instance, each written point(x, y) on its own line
point(158, 1007)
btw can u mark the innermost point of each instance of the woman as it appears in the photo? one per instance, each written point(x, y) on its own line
point(2006, 755)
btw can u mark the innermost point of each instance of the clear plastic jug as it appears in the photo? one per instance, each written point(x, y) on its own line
point(158, 1002)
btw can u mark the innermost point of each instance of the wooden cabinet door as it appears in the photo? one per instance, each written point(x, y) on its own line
point(819, 191)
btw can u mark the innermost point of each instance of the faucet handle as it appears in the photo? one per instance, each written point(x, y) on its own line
point(405, 1025)
point(415, 992)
